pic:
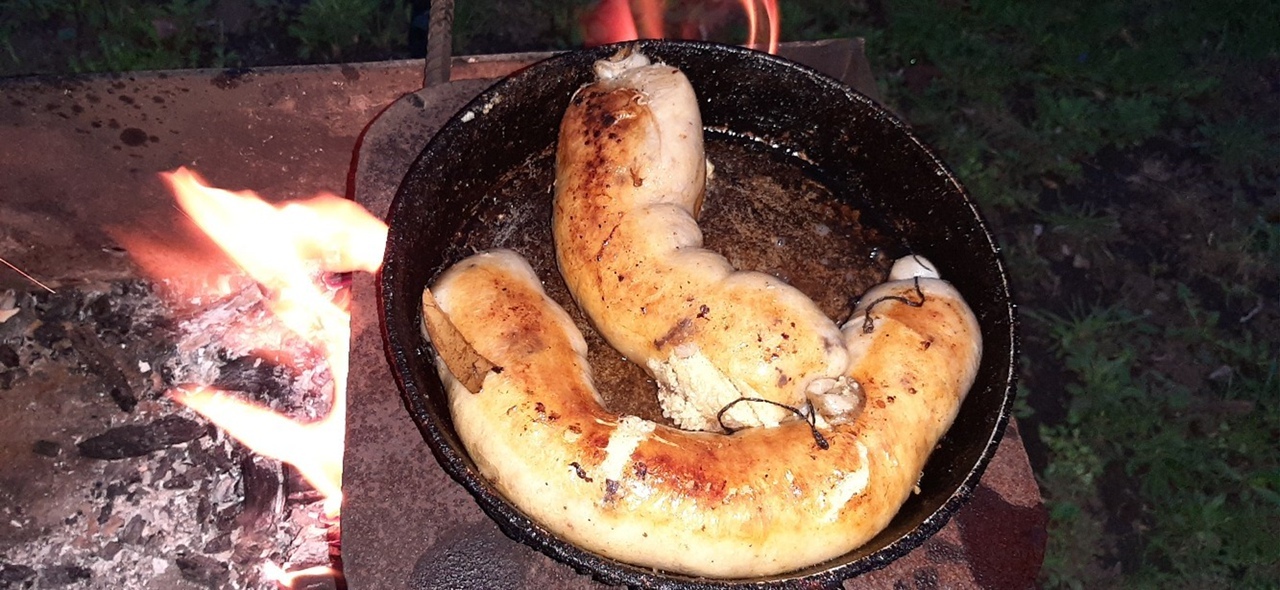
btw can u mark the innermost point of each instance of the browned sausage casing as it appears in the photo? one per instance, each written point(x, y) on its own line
point(761, 501)
point(630, 177)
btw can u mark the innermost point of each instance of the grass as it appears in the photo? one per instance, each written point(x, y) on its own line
point(79, 36)
point(110, 35)
point(325, 28)
point(1128, 154)
point(1161, 469)
point(1199, 466)
point(1160, 462)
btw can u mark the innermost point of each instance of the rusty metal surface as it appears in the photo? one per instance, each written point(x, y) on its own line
point(79, 156)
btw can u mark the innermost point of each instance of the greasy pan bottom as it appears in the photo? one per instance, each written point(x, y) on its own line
point(814, 183)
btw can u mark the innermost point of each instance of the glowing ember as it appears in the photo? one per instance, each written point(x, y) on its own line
point(286, 579)
point(611, 21)
point(285, 248)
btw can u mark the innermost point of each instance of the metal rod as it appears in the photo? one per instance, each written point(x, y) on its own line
point(439, 44)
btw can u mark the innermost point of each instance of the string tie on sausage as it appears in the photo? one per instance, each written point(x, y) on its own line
point(808, 417)
point(868, 323)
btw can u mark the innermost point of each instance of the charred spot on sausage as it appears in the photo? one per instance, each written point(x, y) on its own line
point(580, 472)
point(677, 333)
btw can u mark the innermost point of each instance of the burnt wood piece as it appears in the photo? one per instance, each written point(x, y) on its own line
point(99, 362)
point(135, 440)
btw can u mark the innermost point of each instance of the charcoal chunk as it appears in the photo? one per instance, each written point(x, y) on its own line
point(98, 361)
point(48, 334)
point(109, 319)
point(105, 514)
point(132, 532)
point(13, 575)
point(8, 356)
point(124, 398)
point(135, 440)
point(65, 575)
point(218, 544)
point(109, 551)
point(204, 570)
point(177, 481)
point(60, 306)
point(46, 448)
point(261, 379)
point(263, 484)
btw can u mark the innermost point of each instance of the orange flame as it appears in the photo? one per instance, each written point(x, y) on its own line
point(284, 248)
point(612, 21)
point(286, 579)
point(772, 24)
point(608, 22)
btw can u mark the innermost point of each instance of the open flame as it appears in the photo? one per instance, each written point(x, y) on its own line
point(287, 579)
point(285, 248)
point(611, 21)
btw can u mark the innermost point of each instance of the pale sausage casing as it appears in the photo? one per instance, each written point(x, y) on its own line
point(759, 502)
point(630, 177)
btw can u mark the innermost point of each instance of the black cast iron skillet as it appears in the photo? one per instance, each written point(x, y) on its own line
point(868, 159)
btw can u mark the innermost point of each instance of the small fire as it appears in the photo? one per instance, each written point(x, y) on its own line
point(284, 248)
point(287, 579)
point(611, 21)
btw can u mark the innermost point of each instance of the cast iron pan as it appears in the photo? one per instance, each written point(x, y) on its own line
point(875, 190)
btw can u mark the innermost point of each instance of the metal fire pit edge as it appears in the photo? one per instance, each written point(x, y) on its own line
point(857, 145)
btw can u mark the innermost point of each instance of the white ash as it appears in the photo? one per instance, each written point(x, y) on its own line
point(241, 325)
point(146, 521)
point(170, 519)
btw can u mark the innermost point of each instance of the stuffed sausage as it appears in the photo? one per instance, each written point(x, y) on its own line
point(757, 502)
point(630, 178)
